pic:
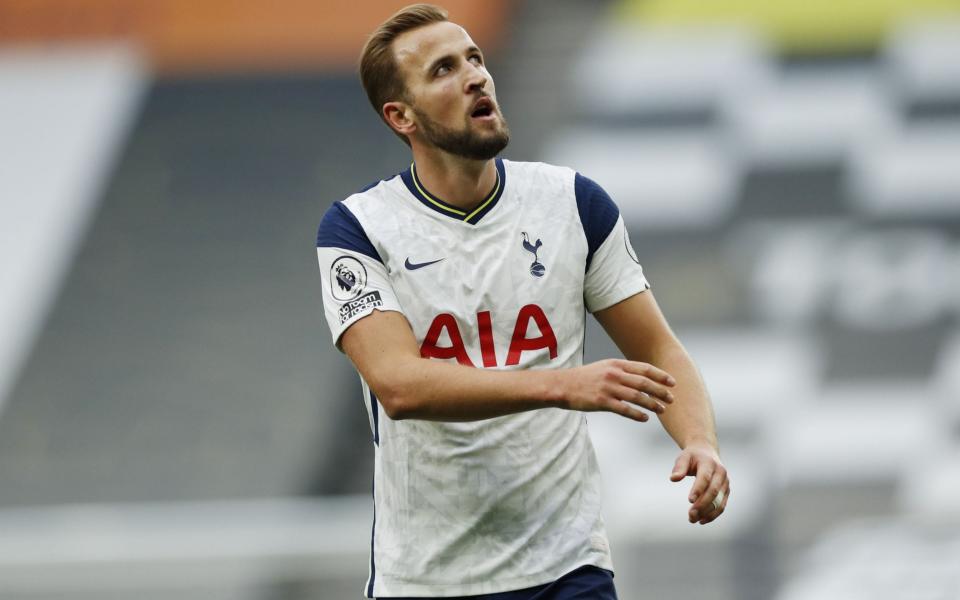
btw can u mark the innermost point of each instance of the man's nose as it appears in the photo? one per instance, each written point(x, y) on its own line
point(477, 79)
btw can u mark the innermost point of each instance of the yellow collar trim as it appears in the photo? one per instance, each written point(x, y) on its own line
point(459, 213)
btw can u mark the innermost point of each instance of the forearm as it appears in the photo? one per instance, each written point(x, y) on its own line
point(639, 329)
point(420, 388)
point(386, 354)
point(690, 418)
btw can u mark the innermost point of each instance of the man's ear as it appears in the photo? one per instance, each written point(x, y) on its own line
point(399, 116)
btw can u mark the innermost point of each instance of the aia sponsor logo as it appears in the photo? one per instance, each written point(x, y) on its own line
point(519, 341)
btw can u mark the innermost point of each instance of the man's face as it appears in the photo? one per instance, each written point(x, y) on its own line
point(450, 91)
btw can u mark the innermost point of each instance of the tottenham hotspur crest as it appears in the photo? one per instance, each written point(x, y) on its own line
point(536, 267)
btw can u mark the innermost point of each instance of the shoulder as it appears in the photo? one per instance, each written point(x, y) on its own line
point(341, 225)
point(538, 172)
point(597, 211)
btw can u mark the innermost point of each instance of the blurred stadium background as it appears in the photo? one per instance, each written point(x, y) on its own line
point(174, 422)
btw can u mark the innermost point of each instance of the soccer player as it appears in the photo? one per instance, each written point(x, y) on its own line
point(458, 288)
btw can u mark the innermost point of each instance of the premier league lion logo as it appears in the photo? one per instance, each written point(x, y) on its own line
point(345, 278)
point(348, 278)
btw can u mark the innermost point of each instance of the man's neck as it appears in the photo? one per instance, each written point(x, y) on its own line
point(462, 182)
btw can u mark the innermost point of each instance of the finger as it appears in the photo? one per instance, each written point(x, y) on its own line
point(703, 505)
point(719, 511)
point(647, 385)
point(632, 396)
point(681, 467)
point(704, 473)
point(649, 371)
point(627, 410)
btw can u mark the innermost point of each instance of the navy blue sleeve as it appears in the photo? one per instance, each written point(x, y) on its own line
point(598, 213)
point(339, 228)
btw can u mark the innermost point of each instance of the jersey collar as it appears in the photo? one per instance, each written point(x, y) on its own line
point(472, 217)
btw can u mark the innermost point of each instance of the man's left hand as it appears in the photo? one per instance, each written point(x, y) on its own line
point(701, 460)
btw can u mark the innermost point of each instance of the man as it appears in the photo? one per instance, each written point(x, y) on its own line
point(458, 288)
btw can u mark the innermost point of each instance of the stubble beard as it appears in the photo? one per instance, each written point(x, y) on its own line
point(464, 142)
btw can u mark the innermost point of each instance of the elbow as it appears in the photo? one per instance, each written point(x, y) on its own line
point(397, 403)
point(401, 392)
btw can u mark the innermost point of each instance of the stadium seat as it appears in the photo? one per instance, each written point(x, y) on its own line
point(632, 70)
point(879, 559)
point(856, 434)
point(809, 117)
point(910, 175)
point(675, 180)
point(755, 375)
point(793, 268)
point(930, 488)
point(921, 56)
point(891, 279)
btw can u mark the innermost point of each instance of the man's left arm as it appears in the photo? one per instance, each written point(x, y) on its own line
point(640, 330)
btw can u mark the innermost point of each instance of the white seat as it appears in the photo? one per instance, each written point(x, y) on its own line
point(660, 181)
point(809, 118)
point(630, 69)
point(856, 434)
point(923, 57)
point(888, 559)
point(930, 488)
point(792, 268)
point(754, 375)
point(890, 280)
point(911, 174)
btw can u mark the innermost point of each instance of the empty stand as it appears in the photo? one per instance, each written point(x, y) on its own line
point(798, 217)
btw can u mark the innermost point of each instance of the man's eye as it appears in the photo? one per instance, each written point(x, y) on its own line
point(442, 70)
point(476, 58)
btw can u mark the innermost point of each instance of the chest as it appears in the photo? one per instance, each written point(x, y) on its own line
point(515, 262)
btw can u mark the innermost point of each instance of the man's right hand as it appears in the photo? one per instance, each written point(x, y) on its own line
point(618, 386)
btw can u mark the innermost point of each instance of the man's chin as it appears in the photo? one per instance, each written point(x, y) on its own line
point(491, 147)
point(475, 142)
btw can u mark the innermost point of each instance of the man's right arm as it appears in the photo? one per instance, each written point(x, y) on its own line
point(383, 348)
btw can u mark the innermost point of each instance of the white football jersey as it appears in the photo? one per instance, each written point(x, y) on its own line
point(503, 503)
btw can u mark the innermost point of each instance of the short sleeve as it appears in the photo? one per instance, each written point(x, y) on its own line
point(354, 279)
point(613, 271)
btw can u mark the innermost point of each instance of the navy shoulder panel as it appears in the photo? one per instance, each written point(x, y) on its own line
point(340, 228)
point(598, 213)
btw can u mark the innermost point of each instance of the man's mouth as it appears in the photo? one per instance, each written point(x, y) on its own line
point(484, 108)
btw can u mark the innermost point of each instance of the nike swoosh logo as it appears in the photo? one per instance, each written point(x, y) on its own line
point(414, 266)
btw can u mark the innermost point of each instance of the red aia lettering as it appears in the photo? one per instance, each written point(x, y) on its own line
point(485, 325)
point(520, 342)
point(430, 349)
